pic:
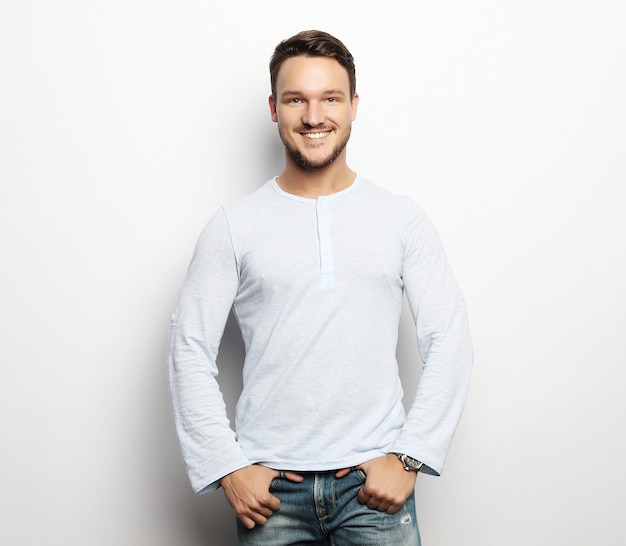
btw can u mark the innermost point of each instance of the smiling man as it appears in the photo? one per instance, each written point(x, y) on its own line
point(315, 265)
point(314, 121)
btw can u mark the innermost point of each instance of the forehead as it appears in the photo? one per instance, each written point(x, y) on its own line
point(311, 74)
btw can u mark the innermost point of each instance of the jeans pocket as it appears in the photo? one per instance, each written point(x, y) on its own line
point(360, 474)
point(274, 483)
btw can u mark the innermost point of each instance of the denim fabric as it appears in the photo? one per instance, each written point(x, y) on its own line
point(324, 510)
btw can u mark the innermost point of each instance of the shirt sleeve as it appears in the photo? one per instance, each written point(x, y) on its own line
point(444, 344)
point(208, 443)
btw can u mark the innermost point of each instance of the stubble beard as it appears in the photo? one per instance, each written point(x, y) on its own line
point(306, 164)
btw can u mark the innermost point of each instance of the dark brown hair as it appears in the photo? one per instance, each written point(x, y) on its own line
point(312, 43)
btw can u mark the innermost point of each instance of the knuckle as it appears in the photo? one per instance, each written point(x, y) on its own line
point(374, 492)
point(399, 500)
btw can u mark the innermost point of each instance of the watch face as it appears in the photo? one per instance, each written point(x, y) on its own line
point(412, 463)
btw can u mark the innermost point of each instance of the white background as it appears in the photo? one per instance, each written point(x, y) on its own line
point(125, 124)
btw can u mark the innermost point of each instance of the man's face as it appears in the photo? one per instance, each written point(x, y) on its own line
point(313, 110)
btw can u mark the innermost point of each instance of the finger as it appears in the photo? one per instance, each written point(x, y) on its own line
point(382, 505)
point(248, 522)
point(341, 473)
point(293, 476)
point(264, 511)
point(362, 497)
point(392, 509)
point(271, 502)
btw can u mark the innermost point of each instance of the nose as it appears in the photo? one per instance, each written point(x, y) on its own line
point(313, 115)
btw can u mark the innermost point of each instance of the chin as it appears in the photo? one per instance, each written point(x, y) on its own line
point(314, 164)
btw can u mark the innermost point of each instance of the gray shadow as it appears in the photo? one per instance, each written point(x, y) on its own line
point(408, 357)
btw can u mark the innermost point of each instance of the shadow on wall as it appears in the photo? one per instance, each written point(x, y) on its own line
point(265, 155)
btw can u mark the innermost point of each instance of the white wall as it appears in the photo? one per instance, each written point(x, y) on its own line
point(123, 126)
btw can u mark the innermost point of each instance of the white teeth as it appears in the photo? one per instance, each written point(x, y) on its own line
point(316, 135)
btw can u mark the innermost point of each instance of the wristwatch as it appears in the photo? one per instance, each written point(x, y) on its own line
point(410, 464)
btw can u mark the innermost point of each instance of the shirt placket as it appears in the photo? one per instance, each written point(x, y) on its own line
point(324, 233)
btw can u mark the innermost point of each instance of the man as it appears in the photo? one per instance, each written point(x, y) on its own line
point(314, 265)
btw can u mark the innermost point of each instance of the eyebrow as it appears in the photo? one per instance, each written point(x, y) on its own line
point(289, 93)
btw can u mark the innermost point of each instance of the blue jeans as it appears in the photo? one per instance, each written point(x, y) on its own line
point(324, 511)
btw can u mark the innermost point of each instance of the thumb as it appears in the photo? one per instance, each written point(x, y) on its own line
point(343, 472)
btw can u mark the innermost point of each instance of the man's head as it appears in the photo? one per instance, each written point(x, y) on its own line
point(313, 100)
point(312, 43)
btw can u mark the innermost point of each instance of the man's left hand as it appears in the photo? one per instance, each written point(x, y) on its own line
point(387, 484)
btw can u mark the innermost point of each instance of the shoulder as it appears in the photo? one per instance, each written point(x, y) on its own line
point(403, 206)
point(220, 222)
point(252, 203)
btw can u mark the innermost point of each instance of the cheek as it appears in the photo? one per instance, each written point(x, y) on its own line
point(288, 118)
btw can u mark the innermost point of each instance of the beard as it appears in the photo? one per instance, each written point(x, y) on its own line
point(309, 165)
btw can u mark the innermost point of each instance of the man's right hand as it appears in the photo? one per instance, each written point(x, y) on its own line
point(248, 492)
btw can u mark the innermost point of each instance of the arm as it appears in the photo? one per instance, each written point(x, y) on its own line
point(443, 338)
point(208, 443)
point(438, 309)
point(209, 447)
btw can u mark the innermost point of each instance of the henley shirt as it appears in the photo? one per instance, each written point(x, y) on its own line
point(316, 286)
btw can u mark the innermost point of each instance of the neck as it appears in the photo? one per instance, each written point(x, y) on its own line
point(315, 183)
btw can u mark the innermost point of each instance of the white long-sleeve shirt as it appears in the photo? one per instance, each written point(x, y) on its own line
point(316, 286)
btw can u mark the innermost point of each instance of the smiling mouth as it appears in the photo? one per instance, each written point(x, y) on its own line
point(314, 136)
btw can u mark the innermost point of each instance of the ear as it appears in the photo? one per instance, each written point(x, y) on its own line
point(355, 105)
point(273, 113)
